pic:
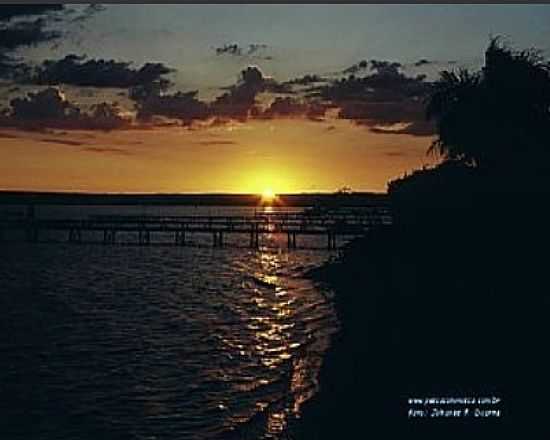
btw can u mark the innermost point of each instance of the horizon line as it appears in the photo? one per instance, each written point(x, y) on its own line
point(214, 193)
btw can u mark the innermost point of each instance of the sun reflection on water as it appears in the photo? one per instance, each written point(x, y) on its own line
point(275, 344)
point(281, 348)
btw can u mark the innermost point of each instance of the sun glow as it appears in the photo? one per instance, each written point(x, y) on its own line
point(268, 181)
point(268, 195)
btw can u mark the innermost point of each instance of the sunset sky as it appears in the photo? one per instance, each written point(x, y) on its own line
point(232, 98)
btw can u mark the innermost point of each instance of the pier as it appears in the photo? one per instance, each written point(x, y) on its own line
point(107, 229)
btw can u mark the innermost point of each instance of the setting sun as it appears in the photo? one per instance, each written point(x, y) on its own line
point(268, 195)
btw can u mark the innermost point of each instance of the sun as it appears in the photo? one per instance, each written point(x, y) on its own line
point(268, 195)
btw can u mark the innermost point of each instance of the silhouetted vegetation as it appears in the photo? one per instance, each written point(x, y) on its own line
point(452, 299)
point(493, 118)
point(493, 136)
point(497, 119)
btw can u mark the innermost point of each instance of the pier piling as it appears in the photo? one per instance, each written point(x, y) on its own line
point(109, 236)
point(331, 245)
point(142, 227)
point(180, 238)
point(144, 237)
point(75, 235)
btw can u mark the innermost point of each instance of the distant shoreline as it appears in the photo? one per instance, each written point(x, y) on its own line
point(209, 199)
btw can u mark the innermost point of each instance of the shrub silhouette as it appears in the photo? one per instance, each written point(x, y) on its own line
point(495, 118)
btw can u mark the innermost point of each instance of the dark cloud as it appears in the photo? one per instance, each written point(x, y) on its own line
point(240, 100)
point(49, 104)
point(252, 50)
point(382, 113)
point(26, 33)
point(7, 136)
point(24, 25)
point(252, 76)
point(423, 62)
point(16, 33)
point(356, 68)
point(180, 105)
point(384, 97)
point(285, 107)
point(389, 68)
point(277, 87)
point(381, 67)
point(317, 109)
point(50, 109)
point(10, 67)
point(29, 25)
point(62, 142)
point(255, 47)
point(8, 12)
point(290, 107)
point(306, 80)
point(144, 91)
point(238, 103)
point(75, 70)
point(217, 142)
point(105, 116)
point(229, 49)
point(107, 150)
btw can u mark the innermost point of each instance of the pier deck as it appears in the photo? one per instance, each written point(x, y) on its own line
point(179, 228)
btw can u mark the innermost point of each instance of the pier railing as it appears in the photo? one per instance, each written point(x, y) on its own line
point(331, 225)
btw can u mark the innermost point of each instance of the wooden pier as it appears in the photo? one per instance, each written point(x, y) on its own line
point(179, 228)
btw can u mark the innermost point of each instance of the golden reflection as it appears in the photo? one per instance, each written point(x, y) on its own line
point(272, 322)
point(299, 386)
point(276, 422)
point(273, 333)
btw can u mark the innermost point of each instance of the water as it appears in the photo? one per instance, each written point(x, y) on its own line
point(124, 342)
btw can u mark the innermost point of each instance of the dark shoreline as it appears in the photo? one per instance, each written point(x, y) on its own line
point(336, 409)
point(412, 326)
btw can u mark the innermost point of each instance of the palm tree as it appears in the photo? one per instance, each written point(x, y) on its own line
point(497, 117)
point(454, 105)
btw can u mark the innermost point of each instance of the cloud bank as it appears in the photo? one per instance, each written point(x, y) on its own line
point(49, 108)
point(382, 98)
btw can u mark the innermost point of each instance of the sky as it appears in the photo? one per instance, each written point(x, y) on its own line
point(232, 98)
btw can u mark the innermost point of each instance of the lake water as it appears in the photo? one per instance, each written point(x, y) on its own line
point(129, 342)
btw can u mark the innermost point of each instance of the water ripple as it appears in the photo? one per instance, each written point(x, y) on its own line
point(157, 343)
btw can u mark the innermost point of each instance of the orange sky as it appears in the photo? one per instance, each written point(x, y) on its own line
point(97, 98)
point(285, 155)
